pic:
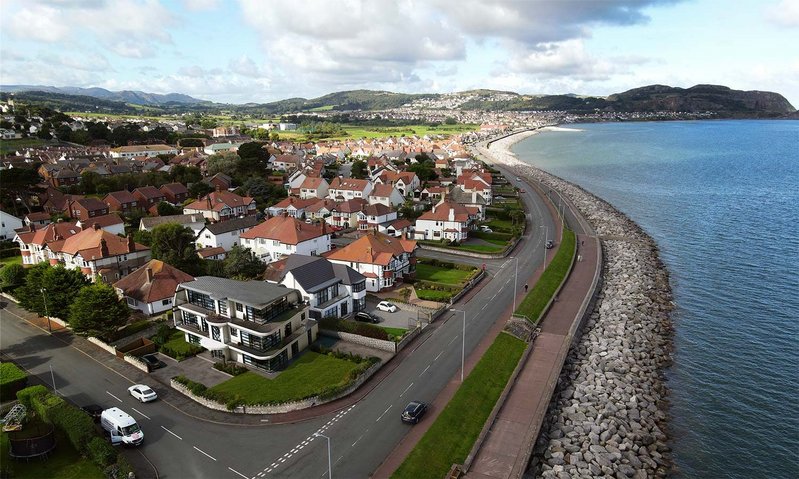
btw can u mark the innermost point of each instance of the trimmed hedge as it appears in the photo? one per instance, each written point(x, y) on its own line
point(101, 452)
point(354, 327)
point(231, 368)
point(12, 379)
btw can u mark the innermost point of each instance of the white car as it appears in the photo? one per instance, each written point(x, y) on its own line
point(386, 306)
point(142, 393)
point(486, 229)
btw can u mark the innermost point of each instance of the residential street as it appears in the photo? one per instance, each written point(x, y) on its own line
point(362, 434)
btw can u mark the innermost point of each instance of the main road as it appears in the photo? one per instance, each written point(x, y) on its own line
point(361, 435)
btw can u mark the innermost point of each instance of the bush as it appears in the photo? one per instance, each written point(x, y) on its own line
point(101, 452)
point(12, 275)
point(162, 335)
point(354, 327)
point(25, 396)
point(231, 368)
point(12, 379)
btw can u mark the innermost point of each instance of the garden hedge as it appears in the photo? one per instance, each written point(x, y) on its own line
point(12, 379)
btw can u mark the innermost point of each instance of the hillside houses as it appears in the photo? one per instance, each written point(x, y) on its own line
point(285, 235)
point(221, 206)
point(382, 259)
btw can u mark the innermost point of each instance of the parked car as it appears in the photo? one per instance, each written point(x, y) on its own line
point(387, 306)
point(94, 411)
point(142, 393)
point(366, 317)
point(518, 178)
point(550, 244)
point(413, 412)
point(152, 362)
point(486, 229)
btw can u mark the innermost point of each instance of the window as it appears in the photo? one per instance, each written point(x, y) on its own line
point(131, 301)
point(166, 302)
point(322, 296)
point(358, 287)
point(239, 307)
point(234, 332)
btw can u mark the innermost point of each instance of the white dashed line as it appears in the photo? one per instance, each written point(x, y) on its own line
point(425, 370)
point(439, 355)
point(237, 472)
point(340, 458)
point(140, 412)
point(203, 452)
point(356, 441)
point(114, 397)
point(406, 390)
point(170, 432)
point(452, 340)
point(384, 413)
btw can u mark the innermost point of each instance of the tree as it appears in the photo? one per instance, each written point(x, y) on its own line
point(29, 294)
point(143, 237)
point(185, 174)
point(241, 264)
point(174, 244)
point(253, 149)
point(359, 169)
point(12, 275)
point(60, 285)
point(222, 163)
point(19, 183)
point(450, 121)
point(97, 311)
point(200, 189)
point(166, 209)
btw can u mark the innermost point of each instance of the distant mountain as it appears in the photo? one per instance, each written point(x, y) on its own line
point(125, 96)
point(723, 101)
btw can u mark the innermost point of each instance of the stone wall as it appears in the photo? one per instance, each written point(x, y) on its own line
point(380, 344)
point(103, 345)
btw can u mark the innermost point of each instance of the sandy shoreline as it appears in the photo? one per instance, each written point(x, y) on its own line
point(608, 416)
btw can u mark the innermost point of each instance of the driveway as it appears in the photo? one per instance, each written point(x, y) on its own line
point(198, 368)
point(402, 318)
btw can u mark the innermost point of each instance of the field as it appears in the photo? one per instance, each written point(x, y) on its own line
point(10, 146)
point(356, 132)
point(438, 274)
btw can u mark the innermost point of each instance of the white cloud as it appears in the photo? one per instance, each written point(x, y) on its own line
point(39, 22)
point(244, 65)
point(197, 5)
point(784, 14)
point(88, 61)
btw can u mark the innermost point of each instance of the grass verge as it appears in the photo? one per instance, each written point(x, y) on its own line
point(437, 274)
point(63, 463)
point(438, 296)
point(533, 304)
point(305, 377)
point(452, 435)
point(10, 260)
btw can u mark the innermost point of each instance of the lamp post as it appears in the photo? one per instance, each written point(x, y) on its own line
point(329, 463)
point(515, 282)
point(463, 347)
point(546, 238)
point(46, 314)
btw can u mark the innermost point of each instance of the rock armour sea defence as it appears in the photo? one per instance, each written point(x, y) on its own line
point(607, 417)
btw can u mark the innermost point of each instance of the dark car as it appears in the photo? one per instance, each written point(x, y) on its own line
point(94, 411)
point(152, 362)
point(413, 412)
point(550, 244)
point(366, 317)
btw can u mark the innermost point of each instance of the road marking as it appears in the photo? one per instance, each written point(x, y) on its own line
point(170, 432)
point(356, 441)
point(114, 397)
point(452, 340)
point(140, 412)
point(484, 307)
point(340, 458)
point(384, 413)
point(439, 355)
point(425, 370)
point(203, 452)
point(492, 297)
point(406, 390)
point(237, 472)
point(264, 420)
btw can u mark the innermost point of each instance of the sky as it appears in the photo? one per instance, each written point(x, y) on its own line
point(239, 51)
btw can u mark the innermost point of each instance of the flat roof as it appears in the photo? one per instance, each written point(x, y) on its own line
point(257, 294)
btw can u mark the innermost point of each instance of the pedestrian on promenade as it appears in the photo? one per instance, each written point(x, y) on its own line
point(525, 287)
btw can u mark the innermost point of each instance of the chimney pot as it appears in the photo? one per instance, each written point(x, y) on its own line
point(149, 275)
point(131, 244)
point(95, 226)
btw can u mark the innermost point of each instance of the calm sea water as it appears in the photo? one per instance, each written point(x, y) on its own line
point(721, 198)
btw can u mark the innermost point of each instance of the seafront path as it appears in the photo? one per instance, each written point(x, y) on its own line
point(506, 449)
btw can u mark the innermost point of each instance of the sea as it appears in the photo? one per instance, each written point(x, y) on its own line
point(721, 199)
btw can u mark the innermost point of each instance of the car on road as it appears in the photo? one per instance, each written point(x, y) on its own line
point(413, 412)
point(152, 362)
point(387, 306)
point(550, 244)
point(94, 411)
point(142, 393)
point(366, 317)
point(518, 178)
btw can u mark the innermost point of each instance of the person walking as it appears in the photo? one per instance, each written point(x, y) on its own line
point(525, 287)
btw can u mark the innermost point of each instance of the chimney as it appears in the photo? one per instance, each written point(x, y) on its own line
point(103, 248)
point(451, 214)
point(149, 273)
point(210, 205)
point(131, 244)
point(95, 226)
point(324, 227)
point(285, 214)
point(33, 227)
point(218, 188)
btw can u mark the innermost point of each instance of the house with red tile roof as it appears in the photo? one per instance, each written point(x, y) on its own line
point(382, 259)
point(110, 222)
point(345, 213)
point(151, 288)
point(446, 220)
point(33, 241)
point(175, 193)
point(83, 208)
point(376, 217)
point(476, 181)
point(99, 253)
point(349, 188)
point(293, 206)
point(406, 182)
point(122, 201)
point(313, 187)
point(385, 194)
point(149, 197)
point(221, 205)
point(284, 235)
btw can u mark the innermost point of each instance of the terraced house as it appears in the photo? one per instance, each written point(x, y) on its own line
point(251, 322)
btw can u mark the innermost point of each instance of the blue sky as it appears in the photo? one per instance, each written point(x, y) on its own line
point(242, 51)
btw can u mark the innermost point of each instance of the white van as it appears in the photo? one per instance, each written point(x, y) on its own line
point(122, 428)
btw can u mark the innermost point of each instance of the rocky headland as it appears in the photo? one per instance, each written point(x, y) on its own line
point(608, 415)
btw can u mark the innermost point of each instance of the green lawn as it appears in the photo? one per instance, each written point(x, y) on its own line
point(438, 274)
point(498, 225)
point(452, 435)
point(178, 348)
point(533, 304)
point(395, 334)
point(434, 295)
point(305, 377)
point(481, 248)
point(10, 260)
point(63, 463)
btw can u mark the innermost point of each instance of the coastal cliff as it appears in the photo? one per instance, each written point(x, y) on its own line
point(608, 417)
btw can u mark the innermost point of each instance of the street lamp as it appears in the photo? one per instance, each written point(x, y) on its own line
point(44, 297)
point(463, 348)
point(515, 282)
point(329, 463)
point(546, 238)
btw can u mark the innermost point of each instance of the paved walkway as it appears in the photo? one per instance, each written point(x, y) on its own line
point(506, 449)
